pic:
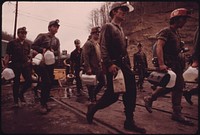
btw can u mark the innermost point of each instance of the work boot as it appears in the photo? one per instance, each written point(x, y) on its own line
point(181, 119)
point(188, 96)
point(148, 103)
point(90, 113)
point(130, 125)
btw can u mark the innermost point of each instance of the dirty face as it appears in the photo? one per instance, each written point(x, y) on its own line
point(182, 21)
point(53, 29)
point(22, 35)
point(120, 13)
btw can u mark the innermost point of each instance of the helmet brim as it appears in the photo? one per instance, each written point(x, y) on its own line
point(130, 7)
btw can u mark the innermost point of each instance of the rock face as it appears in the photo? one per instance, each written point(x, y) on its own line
point(148, 18)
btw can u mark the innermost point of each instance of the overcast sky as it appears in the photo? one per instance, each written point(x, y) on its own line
point(35, 16)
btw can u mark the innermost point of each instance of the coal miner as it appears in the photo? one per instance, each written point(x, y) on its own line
point(49, 46)
point(18, 52)
point(115, 56)
point(168, 48)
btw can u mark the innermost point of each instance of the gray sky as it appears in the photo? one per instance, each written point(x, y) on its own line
point(35, 16)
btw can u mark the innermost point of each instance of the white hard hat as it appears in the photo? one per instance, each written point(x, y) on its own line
point(129, 7)
point(49, 57)
point(8, 74)
point(37, 59)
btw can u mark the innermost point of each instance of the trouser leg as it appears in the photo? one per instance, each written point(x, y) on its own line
point(159, 92)
point(129, 98)
point(26, 72)
point(91, 92)
point(16, 85)
point(177, 92)
point(50, 70)
point(141, 78)
point(78, 80)
point(45, 85)
point(109, 97)
point(101, 80)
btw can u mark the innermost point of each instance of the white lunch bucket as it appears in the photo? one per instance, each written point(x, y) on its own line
point(49, 57)
point(8, 74)
point(119, 83)
point(88, 79)
point(37, 59)
point(191, 74)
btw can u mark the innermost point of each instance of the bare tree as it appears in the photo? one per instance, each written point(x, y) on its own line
point(100, 16)
point(104, 13)
point(94, 17)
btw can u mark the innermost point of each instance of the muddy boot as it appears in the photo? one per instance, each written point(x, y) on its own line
point(177, 116)
point(148, 103)
point(182, 119)
point(130, 125)
point(149, 99)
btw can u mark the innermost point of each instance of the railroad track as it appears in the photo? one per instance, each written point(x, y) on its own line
point(100, 122)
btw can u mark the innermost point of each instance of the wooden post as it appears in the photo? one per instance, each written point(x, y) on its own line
point(15, 26)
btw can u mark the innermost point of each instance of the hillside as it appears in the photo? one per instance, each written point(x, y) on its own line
point(148, 18)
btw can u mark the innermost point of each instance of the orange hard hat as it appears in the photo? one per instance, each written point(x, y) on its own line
point(180, 12)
